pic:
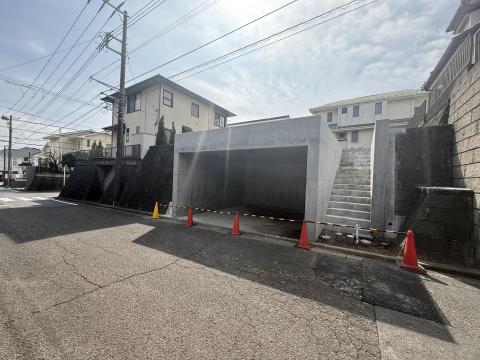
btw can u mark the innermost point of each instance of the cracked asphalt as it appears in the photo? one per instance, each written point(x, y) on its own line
point(81, 282)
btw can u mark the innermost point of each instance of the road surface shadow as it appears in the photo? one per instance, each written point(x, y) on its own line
point(51, 219)
point(311, 275)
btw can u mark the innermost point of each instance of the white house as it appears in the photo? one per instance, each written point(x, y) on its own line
point(72, 141)
point(353, 120)
point(20, 158)
point(159, 96)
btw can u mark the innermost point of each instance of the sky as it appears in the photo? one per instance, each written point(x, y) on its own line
point(388, 45)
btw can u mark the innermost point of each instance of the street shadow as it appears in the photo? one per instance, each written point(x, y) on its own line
point(325, 278)
point(50, 219)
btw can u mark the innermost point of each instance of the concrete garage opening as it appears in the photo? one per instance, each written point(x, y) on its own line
point(283, 168)
point(268, 182)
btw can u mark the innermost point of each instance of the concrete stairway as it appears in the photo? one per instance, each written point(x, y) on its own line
point(350, 198)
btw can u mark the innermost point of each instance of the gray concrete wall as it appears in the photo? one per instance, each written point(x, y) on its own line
point(383, 178)
point(276, 179)
point(201, 181)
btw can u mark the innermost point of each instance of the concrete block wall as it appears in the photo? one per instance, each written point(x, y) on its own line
point(444, 215)
point(464, 116)
point(423, 158)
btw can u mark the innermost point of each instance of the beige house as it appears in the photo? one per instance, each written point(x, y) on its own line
point(180, 107)
point(75, 141)
point(353, 120)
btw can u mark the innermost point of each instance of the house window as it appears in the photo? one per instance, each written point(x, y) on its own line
point(167, 98)
point(378, 108)
point(133, 103)
point(356, 111)
point(355, 136)
point(127, 135)
point(342, 136)
point(137, 129)
point(329, 117)
point(15, 162)
point(195, 110)
point(344, 110)
point(219, 120)
point(88, 143)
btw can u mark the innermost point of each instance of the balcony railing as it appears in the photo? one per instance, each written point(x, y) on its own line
point(459, 61)
point(130, 152)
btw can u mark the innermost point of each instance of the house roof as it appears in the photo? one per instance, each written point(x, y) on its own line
point(159, 79)
point(282, 117)
point(22, 152)
point(463, 9)
point(449, 51)
point(364, 99)
point(80, 133)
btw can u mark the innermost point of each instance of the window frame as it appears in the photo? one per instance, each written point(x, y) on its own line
point(356, 136)
point(381, 108)
point(132, 105)
point(344, 137)
point(165, 91)
point(197, 106)
point(329, 117)
point(357, 113)
point(222, 120)
point(346, 110)
point(127, 135)
point(137, 129)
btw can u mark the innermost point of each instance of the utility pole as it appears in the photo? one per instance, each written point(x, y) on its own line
point(120, 101)
point(4, 162)
point(61, 153)
point(9, 119)
point(121, 112)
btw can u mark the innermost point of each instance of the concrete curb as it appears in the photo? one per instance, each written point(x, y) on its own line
point(451, 269)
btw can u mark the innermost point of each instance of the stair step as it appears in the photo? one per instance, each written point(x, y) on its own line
point(345, 220)
point(351, 187)
point(348, 206)
point(361, 193)
point(356, 214)
point(352, 181)
point(351, 199)
point(354, 173)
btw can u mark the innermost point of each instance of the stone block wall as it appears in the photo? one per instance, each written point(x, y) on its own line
point(465, 118)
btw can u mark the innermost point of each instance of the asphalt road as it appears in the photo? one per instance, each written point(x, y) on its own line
point(82, 282)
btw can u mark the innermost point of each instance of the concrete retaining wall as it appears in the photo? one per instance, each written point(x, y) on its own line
point(423, 158)
point(442, 221)
point(264, 163)
point(152, 180)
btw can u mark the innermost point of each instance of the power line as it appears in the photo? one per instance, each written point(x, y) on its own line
point(63, 59)
point(76, 75)
point(38, 123)
point(183, 19)
point(266, 45)
point(36, 88)
point(216, 39)
point(346, 5)
point(55, 51)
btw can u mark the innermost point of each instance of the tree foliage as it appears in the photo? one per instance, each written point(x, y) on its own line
point(172, 135)
point(68, 160)
point(161, 136)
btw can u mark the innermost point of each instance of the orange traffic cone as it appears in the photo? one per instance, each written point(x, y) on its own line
point(190, 217)
point(155, 212)
point(410, 262)
point(303, 243)
point(236, 224)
